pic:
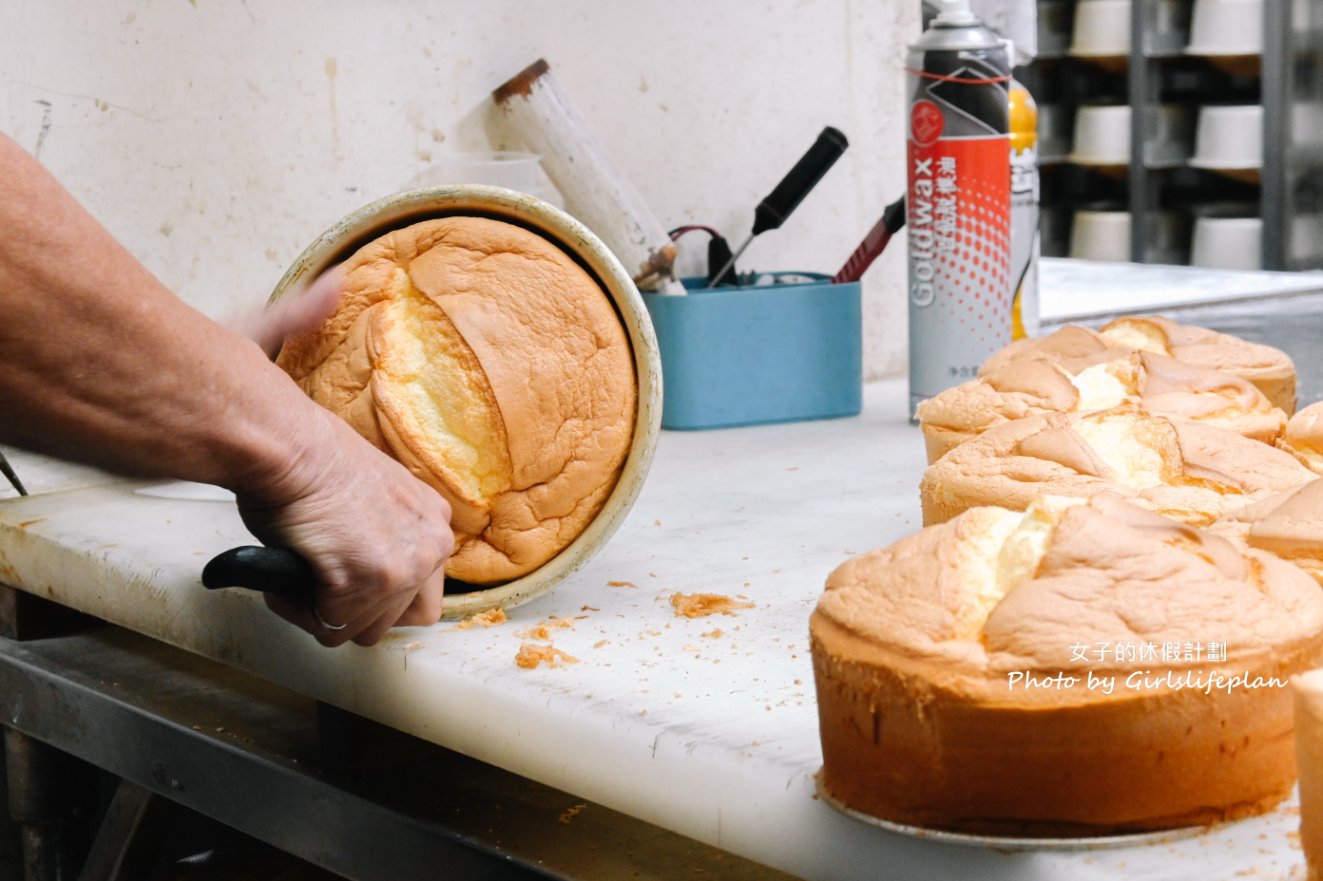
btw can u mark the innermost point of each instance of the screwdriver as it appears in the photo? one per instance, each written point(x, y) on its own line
point(773, 211)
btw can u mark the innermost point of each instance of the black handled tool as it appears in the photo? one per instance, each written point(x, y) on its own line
point(9, 474)
point(773, 211)
point(277, 571)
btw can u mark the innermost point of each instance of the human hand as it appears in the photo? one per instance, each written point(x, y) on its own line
point(376, 537)
point(107, 366)
point(292, 314)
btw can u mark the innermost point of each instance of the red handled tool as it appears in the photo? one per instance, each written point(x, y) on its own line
point(893, 218)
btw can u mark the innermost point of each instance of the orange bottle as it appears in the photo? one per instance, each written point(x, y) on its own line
point(1025, 243)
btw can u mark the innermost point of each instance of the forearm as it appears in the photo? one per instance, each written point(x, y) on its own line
point(99, 362)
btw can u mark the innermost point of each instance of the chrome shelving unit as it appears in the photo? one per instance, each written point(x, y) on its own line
point(1288, 191)
point(1292, 187)
point(1291, 92)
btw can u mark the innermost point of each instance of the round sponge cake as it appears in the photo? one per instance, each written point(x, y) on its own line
point(493, 367)
point(1108, 378)
point(1270, 370)
point(1191, 472)
point(1054, 672)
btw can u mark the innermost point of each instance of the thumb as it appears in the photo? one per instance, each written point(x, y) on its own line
point(294, 314)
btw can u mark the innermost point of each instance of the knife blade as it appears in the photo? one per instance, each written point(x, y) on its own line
point(7, 470)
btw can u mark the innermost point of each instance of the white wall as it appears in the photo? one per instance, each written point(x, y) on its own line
point(217, 138)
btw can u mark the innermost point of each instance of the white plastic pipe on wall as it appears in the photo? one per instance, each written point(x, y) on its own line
point(594, 189)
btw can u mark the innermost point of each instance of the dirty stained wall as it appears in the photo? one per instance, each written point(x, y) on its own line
point(217, 138)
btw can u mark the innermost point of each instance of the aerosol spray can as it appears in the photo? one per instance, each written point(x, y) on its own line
point(1026, 245)
point(958, 200)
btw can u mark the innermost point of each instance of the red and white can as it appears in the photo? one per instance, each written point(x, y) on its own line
point(958, 202)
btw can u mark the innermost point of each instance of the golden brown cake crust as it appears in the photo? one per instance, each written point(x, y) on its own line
point(920, 724)
point(1268, 369)
point(492, 366)
point(1161, 385)
point(1303, 437)
point(1205, 472)
point(1069, 343)
point(1288, 525)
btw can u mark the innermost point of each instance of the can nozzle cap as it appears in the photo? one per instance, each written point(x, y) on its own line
point(955, 12)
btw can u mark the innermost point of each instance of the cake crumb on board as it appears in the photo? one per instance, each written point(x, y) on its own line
point(568, 815)
point(489, 618)
point(542, 629)
point(531, 656)
point(700, 605)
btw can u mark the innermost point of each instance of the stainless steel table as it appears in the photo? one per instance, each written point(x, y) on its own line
point(345, 794)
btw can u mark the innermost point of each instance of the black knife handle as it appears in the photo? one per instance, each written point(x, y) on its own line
point(772, 211)
point(277, 571)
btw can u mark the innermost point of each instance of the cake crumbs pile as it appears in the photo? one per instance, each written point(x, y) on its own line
point(489, 618)
point(568, 816)
point(542, 629)
point(530, 656)
point(700, 605)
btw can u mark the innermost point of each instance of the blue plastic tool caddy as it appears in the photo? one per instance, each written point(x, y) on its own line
point(751, 354)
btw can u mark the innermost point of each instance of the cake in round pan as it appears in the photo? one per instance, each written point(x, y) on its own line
point(1161, 385)
point(1193, 473)
point(1014, 673)
point(1303, 437)
point(495, 368)
point(1269, 369)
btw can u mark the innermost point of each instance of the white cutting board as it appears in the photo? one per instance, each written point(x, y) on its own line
point(42, 474)
point(711, 736)
point(1080, 290)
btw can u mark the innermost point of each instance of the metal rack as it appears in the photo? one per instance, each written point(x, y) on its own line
point(1289, 189)
point(1292, 194)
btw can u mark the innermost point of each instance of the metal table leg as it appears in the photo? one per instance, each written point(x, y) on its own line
point(246, 754)
point(51, 796)
point(42, 833)
point(10, 849)
point(129, 836)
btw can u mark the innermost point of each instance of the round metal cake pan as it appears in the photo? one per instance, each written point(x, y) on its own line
point(341, 240)
point(1013, 843)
